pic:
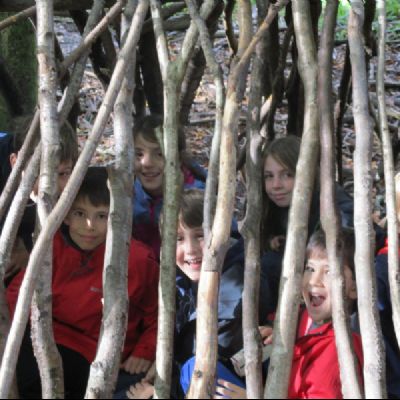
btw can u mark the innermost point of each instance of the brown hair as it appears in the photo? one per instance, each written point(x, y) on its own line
point(347, 245)
point(285, 151)
point(68, 141)
point(191, 210)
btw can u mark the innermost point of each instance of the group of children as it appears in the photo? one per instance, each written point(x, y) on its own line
point(78, 252)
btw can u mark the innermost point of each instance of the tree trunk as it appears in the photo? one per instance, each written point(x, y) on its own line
point(389, 173)
point(329, 212)
point(374, 360)
point(293, 264)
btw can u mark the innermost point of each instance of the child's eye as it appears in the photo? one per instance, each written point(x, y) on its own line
point(287, 175)
point(268, 176)
point(308, 269)
point(79, 214)
point(103, 216)
point(179, 239)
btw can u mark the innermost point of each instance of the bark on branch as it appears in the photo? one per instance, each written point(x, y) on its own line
point(293, 264)
point(58, 214)
point(389, 172)
point(329, 213)
point(374, 360)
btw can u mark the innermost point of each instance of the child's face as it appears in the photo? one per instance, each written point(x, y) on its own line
point(279, 182)
point(317, 287)
point(87, 224)
point(149, 166)
point(189, 251)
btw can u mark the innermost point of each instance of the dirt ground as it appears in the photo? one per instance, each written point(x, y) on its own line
point(199, 133)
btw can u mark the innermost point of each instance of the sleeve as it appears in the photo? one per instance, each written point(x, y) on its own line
point(13, 292)
point(146, 345)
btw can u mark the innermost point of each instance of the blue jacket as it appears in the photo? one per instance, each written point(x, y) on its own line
point(385, 312)
point(147, 210)
point(230, 337)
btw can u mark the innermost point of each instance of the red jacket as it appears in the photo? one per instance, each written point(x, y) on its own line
point(315, 369)
point(78, 293)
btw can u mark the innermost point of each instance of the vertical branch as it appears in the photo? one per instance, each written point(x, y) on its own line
point(293, 264)
point(251, 230)
point(58, 215)
point(389, 172)
point(9, 234)
point(374, 360)
point(212, 179)
point(48, 358)
point(203, 382)
point(104, 370)
point(329, 211)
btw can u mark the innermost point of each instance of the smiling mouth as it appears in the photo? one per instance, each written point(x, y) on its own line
point(195, 264)
point(316, 300)
point(151, 176)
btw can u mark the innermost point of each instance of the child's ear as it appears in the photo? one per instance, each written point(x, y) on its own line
point(13, 159)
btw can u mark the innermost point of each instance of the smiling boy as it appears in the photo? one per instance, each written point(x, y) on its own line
point(78, 259)
point(315, 368)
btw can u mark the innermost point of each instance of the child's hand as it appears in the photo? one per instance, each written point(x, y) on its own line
point(277, 243)
point(151, 374)
point(135, 365)
point(266, 334)
point(141, 390)
point(227, 390)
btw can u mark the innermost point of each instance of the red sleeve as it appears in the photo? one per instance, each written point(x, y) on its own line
point(13, 292)
point(146, 345)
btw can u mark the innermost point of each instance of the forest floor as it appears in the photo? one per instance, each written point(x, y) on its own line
point(200, 130)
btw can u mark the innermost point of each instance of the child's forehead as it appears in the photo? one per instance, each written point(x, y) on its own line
point(317, 255)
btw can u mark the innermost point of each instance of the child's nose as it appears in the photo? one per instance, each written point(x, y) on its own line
point(277, 182)
point(89, 223)
point(147, 160)
point(316, 279)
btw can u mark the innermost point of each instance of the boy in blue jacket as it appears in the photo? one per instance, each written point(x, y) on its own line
point(189, 257)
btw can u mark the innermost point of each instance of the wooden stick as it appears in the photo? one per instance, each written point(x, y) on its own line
point(374, 359)
point(329, 211)
point(104, 370)
point(293, 264)
point(43, 342)
point(13, 19)
point(393, 258)
point(251, 229)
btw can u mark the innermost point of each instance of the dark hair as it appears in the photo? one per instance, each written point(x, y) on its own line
point(346, 245)
point(68, 141)
point(94, 187)
point(191, 213)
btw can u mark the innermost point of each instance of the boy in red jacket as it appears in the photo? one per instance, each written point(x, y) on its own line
point(315, 368)
point(78, 258)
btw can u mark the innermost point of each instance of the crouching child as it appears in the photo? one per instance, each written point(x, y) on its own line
point(78, 258)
